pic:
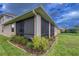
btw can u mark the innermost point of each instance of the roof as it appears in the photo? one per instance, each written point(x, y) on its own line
point(7, 14)
point(38, 10)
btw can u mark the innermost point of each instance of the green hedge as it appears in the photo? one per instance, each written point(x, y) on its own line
point(19, 39)
point(40, 43)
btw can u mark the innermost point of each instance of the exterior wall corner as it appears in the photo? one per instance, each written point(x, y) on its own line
point(37, 25)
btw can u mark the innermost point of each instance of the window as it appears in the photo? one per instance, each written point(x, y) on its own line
point(12, 29)
point(2, 29)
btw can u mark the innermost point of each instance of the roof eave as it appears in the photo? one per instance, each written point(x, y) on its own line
point(45, 15)
point(21, 17)
point(38, 10)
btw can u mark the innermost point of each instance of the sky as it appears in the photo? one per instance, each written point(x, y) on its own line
point(65, 15)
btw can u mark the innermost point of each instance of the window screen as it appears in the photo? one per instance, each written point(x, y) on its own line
point(29, 26)
point(52, 30)
point(20, 28)
point(44, 27)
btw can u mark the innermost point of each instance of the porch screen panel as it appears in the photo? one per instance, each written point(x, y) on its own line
point(29, 27)
point(44, 27)
point(20, 28)
point(52, 30)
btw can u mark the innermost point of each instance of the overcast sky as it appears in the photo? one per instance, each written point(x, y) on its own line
point(65, 15)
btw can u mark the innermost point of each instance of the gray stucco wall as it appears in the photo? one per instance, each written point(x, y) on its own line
point(55, 31)
point(37, 25)
point(7, 30)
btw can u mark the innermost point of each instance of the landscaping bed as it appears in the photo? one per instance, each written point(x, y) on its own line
point(29, 46)
point(66, 44)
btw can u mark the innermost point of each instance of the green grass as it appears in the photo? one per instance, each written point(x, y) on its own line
point(7, 49)
point(67, 44)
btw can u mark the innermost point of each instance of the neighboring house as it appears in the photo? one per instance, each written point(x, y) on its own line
point(4, 30)
point(63, 30)
point(35, 22)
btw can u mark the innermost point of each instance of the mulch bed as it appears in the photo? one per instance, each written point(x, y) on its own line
point(33, 51)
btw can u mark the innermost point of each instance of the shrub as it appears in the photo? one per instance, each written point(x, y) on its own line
point(13, 38)
point(19, 39)
point(29, 45)
point(40, 43)
point(44, 43)
point(36, 42)
point(23, 40)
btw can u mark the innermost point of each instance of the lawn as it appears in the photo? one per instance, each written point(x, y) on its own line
point(67, 44)
point(7, 49)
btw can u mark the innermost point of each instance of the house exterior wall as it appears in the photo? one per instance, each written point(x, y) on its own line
point(31, 26)
point(0, 29)
point(7, 30)
point(40, 26)
point(2, 21)
point(7, 18)
point(55, 31)
point(49, 29)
